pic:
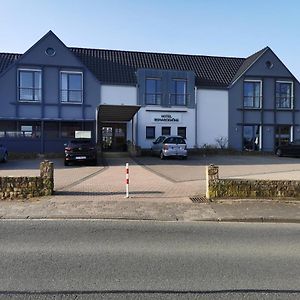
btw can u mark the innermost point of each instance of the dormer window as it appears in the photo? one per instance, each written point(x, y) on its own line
point(153, 91)
point(30, 85)
point(179, 92)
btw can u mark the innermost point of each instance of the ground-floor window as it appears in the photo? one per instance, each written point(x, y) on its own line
point(282, 135)
point(181, 131)
point(68, 129)
point(251, 137)
point(150, 132)
point(166, 131)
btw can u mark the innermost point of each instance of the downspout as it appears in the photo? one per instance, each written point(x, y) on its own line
point(196, 120)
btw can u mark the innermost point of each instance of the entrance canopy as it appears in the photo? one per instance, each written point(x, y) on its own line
point(116, 113)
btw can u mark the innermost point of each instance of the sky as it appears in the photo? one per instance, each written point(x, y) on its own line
point(235, 28)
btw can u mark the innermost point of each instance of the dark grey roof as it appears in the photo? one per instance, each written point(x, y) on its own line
point(119, 67)
point(115, 66)
point(248, 62)
point(6, 59)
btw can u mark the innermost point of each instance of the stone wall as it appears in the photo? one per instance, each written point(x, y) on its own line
point(244, 188)
point(28, 187)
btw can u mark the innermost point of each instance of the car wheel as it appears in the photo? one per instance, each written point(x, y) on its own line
point(184, 157)
point(94, 162)
point(66, 163)
point(162, 156)
point(5, 156)
point(279, 152)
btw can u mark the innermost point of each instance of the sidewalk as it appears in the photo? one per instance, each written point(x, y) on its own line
point(240, 211)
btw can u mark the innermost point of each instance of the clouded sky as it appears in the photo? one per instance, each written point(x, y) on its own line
point(210, 27)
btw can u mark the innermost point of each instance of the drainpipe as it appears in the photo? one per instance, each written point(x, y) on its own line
point(196, 119)
point(96, 129)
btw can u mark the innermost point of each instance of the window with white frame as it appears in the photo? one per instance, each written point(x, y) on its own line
point(71, 90)
point(284, 94)
point(30, 85)
point(252, 94)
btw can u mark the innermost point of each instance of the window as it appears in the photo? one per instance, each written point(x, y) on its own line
point(282, 135)
point(71, 87)
point(252, 94)
point(153, 91)
point(284, 94)
point(178, 92)
point(30, 85)
point(181, 131)
point(166, 131)
point(251, 138)
point(68, 129)
point(30, 129)
point(150, 132)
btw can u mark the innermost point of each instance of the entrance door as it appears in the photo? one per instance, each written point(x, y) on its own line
point(114, 137)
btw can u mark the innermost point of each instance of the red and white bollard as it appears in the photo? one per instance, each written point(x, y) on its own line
point(127, 180)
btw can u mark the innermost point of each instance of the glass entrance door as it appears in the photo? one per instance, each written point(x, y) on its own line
point(114, 137)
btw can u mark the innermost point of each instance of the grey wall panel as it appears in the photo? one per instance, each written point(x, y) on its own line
point(51, 86)
point(8, 94)
point(51, 112)
point(268, 138)
point(268, 93)
point(268, 117)
point(252, 117)
point(30, 111)
point(71, 112)
point(284, 117)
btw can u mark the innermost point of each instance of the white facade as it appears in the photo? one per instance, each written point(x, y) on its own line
point(212, 116)
point(165, 117)
point(117, 95)
point(210, 123)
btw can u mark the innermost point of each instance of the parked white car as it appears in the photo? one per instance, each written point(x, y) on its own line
point(166, 146)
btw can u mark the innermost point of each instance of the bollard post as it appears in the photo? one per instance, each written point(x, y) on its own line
point(127, 180)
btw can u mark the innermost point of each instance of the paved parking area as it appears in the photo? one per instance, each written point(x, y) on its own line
point(151, 179)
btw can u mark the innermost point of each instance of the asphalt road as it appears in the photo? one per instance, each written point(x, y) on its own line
point(92, 259)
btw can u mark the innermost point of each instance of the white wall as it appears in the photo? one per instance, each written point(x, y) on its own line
point(145, 118)
point(117, 95)
point(212, 112)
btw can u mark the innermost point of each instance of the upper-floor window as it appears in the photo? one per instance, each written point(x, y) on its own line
point(284, 94)
point(30, 85)
point(153, 91)
point(252, 94)
point(178, 92)
point(71, 87)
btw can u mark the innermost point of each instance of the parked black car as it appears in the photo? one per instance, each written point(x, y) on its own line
point(80, 150)
point(290, 149)
point(3, 153)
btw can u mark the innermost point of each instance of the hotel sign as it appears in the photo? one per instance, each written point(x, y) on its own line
point(166, 117)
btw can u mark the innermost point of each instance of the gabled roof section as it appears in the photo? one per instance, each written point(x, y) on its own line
point(119, 67)
point(248, 62)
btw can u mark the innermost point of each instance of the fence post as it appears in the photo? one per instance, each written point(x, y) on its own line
point(212, 174)
point(47, 176)
point(127, 180)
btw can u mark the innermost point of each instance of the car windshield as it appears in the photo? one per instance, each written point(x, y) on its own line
point(159, 139)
